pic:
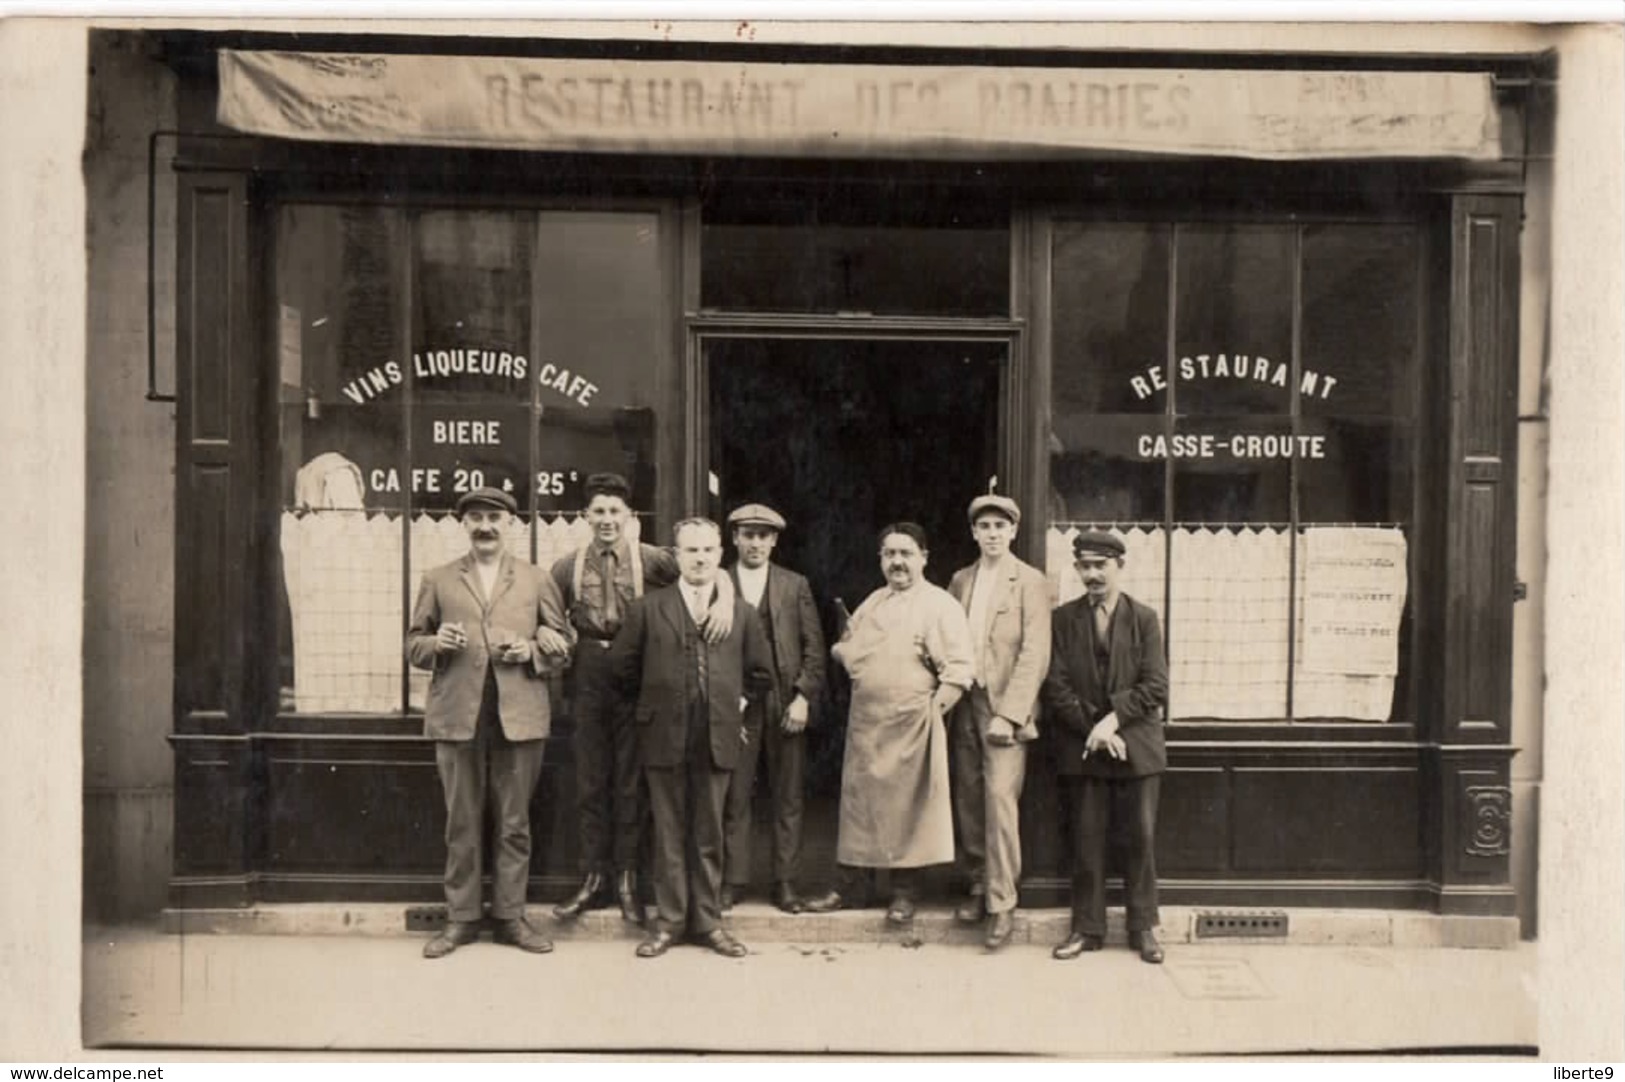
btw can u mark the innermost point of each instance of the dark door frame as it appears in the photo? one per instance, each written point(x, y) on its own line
point(1016, 424)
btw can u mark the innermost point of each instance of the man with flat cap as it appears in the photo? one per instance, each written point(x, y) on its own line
point(1008, 604)
point(490, 628)
point(777, 727)
point(1107, 691)
point(599, 583)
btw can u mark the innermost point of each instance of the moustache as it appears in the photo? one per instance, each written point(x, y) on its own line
point(486, 535)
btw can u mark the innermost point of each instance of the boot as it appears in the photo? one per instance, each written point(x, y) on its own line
point(590, 896)
point(626, 889)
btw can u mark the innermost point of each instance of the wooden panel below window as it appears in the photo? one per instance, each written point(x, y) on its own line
point(376, 807)
point(211, 787)
point(1327, 821)
point(1194, 821)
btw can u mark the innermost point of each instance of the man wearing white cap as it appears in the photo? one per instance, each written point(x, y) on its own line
point(1008, 604)
point(789, 616)
point(489, 627)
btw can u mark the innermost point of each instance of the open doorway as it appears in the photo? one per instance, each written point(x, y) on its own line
point(843, 436)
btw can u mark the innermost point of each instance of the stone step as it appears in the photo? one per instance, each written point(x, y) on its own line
point(756, 921)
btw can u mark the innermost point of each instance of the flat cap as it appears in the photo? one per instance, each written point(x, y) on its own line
point(493, 497)
point(1004, 505)
point(756, 514)
point(606, 484)
point(1096, 543)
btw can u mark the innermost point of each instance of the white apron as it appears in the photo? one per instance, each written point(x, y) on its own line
point(895, 806)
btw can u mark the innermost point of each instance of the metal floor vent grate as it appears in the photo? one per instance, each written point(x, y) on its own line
point(1241, 925)
point(425, 918)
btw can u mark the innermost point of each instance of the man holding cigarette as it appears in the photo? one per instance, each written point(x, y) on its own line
point(490, 628)
point(1107, 689)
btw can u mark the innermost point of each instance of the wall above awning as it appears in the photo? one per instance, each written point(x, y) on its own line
point(855, 110)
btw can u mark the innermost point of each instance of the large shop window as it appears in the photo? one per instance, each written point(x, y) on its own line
point(1238, 402)
point(423, 354)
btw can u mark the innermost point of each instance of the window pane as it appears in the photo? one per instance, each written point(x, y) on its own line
point(602, 327)
point(471, 387)
point(1228, 621)
point(1233, 336)
point(1353, 627)
point(1361, 299)
point(818, 253)
point(1108, 384)
point(342, 427)
point(1365, 472)
point(1233, 470)
point(471, 364)
point(1230, 605)
point(1111, 318)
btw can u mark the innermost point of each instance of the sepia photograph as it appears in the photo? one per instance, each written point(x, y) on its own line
point(1065, 539)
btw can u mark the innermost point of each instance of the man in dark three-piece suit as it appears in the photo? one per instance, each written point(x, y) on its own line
point(490, 628)
point(789, 616)
point(691, 697)
point(1107, 690)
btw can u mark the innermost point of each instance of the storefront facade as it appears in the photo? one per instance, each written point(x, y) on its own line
point(1279, 357)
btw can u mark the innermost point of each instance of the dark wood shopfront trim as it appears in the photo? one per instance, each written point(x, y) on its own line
point(1411, 814)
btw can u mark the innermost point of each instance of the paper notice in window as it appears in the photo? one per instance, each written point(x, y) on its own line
point(1351, 585)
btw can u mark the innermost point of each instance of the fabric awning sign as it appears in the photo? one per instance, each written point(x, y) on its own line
point(854, 110)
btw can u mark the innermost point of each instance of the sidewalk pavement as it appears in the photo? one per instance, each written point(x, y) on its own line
point(144, 988)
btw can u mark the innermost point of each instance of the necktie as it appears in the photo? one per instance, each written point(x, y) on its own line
point(1103, 631)
point(612, 595)
point(1103, 624)
point(696, 609)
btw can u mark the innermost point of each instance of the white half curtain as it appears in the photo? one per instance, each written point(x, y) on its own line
point(343, 575)
point(1228, 621)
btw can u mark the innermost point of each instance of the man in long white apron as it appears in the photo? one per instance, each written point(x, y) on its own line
point(908, 650)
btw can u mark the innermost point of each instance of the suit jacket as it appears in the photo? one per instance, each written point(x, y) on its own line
point(1135, 686)
point(1016, 648)
point(652, 658)
point(797, 642)
point(523, 599)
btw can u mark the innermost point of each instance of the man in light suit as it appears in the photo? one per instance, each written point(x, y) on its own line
point(691, 696)
point(784, 602)
point(1107, 690)
point(490, 628)
point(1008, 605)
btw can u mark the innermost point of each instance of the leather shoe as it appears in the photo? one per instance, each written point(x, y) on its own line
point(901, 911)
point(626, 890)
point(519, 933)
point(1076, 944)
point(725, 901)
point(456, 933)
point(724, 944)
point(828, 902)
point(786, 898)
point(999, 927)
point(1146, 943)
point(657, 943)
point(972, 909)
point(589, 896)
